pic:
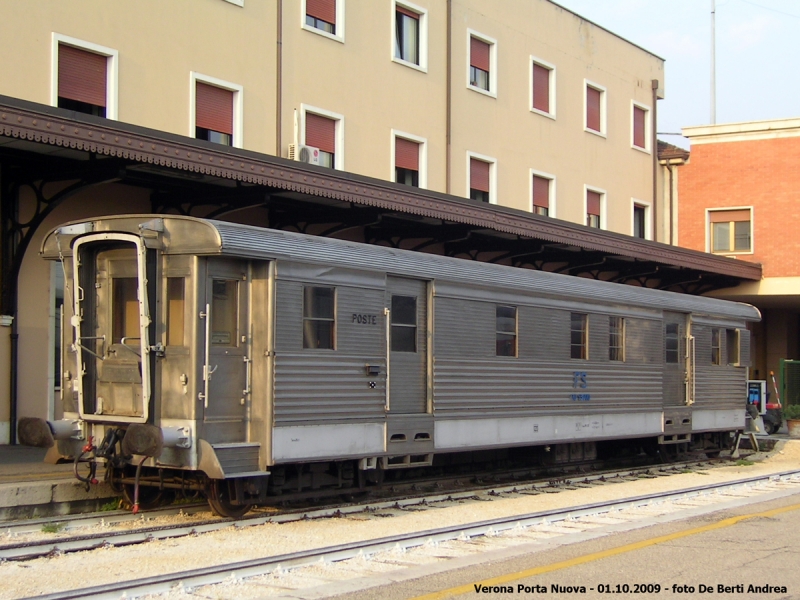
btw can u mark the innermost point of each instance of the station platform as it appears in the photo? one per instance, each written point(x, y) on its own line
point(30, 488)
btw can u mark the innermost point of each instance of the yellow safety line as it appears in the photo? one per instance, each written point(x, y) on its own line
point(587, 558)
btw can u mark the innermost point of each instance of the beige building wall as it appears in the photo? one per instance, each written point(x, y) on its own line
point(158, 45)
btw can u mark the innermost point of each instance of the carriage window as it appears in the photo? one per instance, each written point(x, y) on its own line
point(671, 342)
point(578, 335)
point(175, 308)
point(733, 344)
point(224, 312)
point(616, 338)
point(506, 330)
point(404, 324)
point(319, 321)
point(716, 354)
point(125, 309)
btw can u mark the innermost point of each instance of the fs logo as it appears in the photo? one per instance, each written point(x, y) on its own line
point(579, 380)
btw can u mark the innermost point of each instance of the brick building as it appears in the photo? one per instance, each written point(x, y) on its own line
point(740, 198)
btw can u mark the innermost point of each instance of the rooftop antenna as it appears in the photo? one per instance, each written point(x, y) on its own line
point(713, 65)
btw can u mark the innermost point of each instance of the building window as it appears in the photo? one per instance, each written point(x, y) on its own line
point(319, 317)
point(407, 35)
point(480, 180)
point(543, 97)
point(595, 109)
point(541, 192)
point(321, 15)
point(716, 353)
point(640, 127)
point(404, 324)
point(321, 132)
point(579, 335)
point(506, 330)
point(616, 339)
point(594, 208)
point(482, 76)
point(730, 230)
point(406, 161)
point(213, 114)
point(84, 77)
point(671, 332)
point(639, 221)
point(216, 110)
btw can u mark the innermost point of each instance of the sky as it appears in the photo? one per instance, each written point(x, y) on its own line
point(757, 55)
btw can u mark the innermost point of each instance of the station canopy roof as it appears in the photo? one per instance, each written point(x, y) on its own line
point(190, 176)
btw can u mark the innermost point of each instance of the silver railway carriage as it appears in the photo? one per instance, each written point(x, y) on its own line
point(249, 362)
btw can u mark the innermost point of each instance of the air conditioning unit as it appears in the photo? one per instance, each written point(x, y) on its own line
point(306, 154)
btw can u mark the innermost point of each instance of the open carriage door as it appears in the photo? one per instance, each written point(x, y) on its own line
point(226, 360)
point(114, 289)
point(409, 420)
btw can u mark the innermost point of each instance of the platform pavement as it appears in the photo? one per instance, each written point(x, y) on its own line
point(29, 487)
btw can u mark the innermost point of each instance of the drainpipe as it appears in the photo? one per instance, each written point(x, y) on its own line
point(448, 93)
point(13, 381)
point(671, 205)
point(654, 152)
point(279, 82)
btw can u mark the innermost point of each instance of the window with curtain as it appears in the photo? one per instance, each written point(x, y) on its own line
point(321, 14)
point(82, 80)
point(213, 111)
point(406, 161)
point(479, 180)
point(321, 133)
point(594, 107)
point(593, 206)
point(479, 63)
point(406, 35)
point(541, 195)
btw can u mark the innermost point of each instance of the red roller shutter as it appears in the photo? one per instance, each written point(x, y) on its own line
point(726, 216)
point(541, 192)
point(478, 175)
point(593, 108)
point(479, 54)
point(541, 88)
point(321, 132)
point(325, 10)
point(82, 75)
point(406, 154)
point(593, 203)
point(404, 11)
point(213, 108)
point(638, 127)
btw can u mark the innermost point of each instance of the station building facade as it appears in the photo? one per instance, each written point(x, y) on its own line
point(740, 198)
point(520, 104)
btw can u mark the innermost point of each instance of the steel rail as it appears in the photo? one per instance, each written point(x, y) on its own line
point(76, 543)
point(260, 566)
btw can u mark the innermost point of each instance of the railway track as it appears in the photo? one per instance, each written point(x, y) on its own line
point(524, 527)
point(143, 528)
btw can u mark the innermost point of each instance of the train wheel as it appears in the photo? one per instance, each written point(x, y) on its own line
point(220, 502)
point(149, 497)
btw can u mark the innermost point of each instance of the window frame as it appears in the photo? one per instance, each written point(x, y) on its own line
point(551, 191)
point(413, 326)
point(422, 172)
point(584, 345)
point(334, 328)
point(238, 104)
point(338, 155)
point(648, 217)
point(112, 70)
point(620, 349)
point(422, 33)
point(498, 332)
point(603, 205)
point(340, 14)
point(236, 2)
point(552, 87)
point(603, 108)
point(492, 91)
point(710, 238)
point(648, 128)
point(492, 174)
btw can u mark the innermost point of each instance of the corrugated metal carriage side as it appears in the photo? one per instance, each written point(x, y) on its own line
point(273, 362)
